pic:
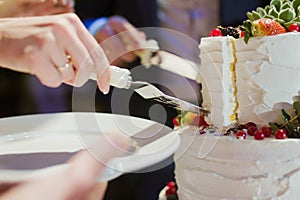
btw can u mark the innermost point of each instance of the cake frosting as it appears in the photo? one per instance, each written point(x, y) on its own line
point(243, 81)
point(248, 84)
point(223, 167)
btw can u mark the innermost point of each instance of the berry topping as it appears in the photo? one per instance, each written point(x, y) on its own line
point(215, 32)
point(170, 191)
point(242, 33)
point(176, 121)
point(265, 27)
point(291, 125)
point(294, 27)
point(251, 130)
point(267, 131)
point(193, 119)
point(241, 135)
point(280, 134)
point(249, 124)
point(171, 185)
point(230, 31)
point(295, 133)
point(259, 135)
point(283, 12)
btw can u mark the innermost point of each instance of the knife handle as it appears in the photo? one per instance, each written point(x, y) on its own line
point(119, 77)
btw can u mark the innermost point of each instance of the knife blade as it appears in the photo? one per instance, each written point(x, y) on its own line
point(176, 64)
point(152, 55)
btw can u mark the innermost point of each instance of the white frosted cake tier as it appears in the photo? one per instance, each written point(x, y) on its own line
point(223, 167)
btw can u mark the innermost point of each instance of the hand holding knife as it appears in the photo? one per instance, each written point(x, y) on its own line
point(121, 78)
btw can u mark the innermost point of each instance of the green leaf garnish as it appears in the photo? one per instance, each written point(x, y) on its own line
point(296, 4)
point(262, 12)
point(273, 12)
point(255, 15)
point(273, 126)
point(286, 4)
point(296, 106)
point(276, 3)
point(285, 116)
point(287, 14)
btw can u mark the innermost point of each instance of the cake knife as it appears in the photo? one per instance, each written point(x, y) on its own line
point(152, 55)
point(121, 78)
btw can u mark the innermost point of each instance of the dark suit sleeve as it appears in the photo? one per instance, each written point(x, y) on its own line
point(141, 13)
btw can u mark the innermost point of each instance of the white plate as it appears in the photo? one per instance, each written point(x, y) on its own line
point(34, 145)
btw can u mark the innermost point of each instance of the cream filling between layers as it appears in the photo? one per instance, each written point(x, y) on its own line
point(218, 63)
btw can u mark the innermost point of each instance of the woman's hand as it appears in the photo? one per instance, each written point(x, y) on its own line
point(77, 181)
point(22, 8)
point(56, 48)
point(120, 40)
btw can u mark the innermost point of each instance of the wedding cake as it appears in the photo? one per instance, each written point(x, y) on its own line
point(248, 85)
point(243, 82)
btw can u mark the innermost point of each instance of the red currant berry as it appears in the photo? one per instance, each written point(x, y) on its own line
point(267, 131)
point(259, 135)
point(202, 122)
point(176, 121)
point(170, 191)
point(280, 134)
point(215, 32)
point(294, 27)
point(251, 130)
point(171, 185)
point(250, 124)
point(241, 135)
point(242, 33)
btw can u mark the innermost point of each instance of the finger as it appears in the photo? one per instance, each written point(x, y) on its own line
point(128, 33)
point(101, 63)
point(52, 10)
point(43, 8)
point(75, 181)
point(67, 36)
point(41, 65)
point(109, 43)
point(48, 74)
point(32, 1)
point(63, 2)
point(59, 59)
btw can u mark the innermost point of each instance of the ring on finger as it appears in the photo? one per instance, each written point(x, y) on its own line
point(67, 65)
